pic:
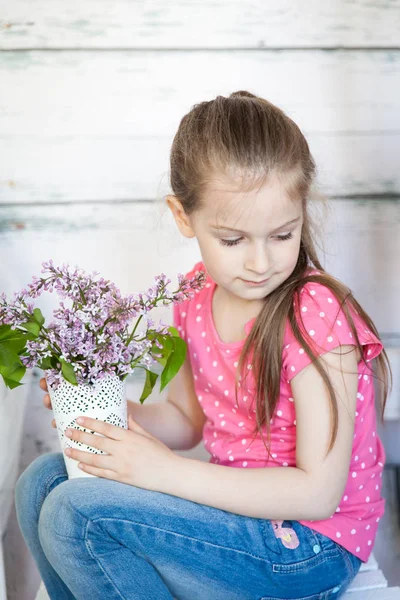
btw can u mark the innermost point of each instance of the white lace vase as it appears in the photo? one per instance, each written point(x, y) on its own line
point(105, 401)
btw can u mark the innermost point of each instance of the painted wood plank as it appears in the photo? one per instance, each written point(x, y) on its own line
point(368, 580)
point(380, 594)
point(95, 126)
point(216, 23)
point(145, 94)
point(79, 168)
point(370, 565)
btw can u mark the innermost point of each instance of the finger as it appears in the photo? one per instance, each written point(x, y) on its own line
point(99, 461)
point(90, 439)
point(43, 384)
point(110, 431)
point(47, 401)
point(53, 423)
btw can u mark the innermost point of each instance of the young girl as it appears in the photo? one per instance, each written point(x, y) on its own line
point(278, 383)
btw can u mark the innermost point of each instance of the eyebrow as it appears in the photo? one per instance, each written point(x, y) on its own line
point(243, 232)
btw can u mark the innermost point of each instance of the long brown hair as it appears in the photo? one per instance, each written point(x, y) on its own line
point(244, 133)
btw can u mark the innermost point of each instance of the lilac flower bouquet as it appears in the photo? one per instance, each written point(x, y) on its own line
point(96, 336)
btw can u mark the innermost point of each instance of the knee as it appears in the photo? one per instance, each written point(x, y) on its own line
point(60, 521)
point(34, 484)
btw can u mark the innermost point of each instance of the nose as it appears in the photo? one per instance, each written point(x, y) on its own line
point(257, 260)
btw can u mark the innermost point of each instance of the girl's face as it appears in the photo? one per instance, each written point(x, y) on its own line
point(249, 241)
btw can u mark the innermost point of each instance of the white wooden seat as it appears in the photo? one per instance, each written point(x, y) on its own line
point(370, 584)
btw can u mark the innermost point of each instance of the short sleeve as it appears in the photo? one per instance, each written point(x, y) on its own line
point(327, 328)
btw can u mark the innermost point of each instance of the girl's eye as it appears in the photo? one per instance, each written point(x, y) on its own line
point(287, 236)
point(230, 242)
point(281, 238)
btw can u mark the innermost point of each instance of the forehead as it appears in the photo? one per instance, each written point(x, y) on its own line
point(264, 206)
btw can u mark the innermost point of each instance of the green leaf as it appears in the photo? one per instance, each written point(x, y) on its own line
point(174, 362)
point(174, 332)
point(8, 357)
point(68, 372)
point(45, 364)
point(39, 318)
point(32, 327)
point(10, 383)
point(149, 384)
point(12, 375)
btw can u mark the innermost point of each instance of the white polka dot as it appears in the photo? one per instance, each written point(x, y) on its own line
point(200, 398)
point(183, 314)
point(244, 442)
point(301, 351)
point(231, 458)
point(292, 368)
point(228, 351)
point(285, 464)
point(279, 413)
point(198, 319)
point(189, 340)
point(244, 464)
point(368, 527)
point(304, 309)
point(369, 542)
point(241, 424)
point(311, 332)
point(330, 338)
point(216, 403)
point(330, 300)
point(367, 499)
point(215, 364)
point(226, 393)
point(345, 498)
point(208, 348)
point(358, 549)
point(353, 531)
point(198, 306)
point(338, 534)
point(249, 367)
point(312, 292)
point(291, 400)
point(220, 377)
point(321, 314)
point(203, 334)
point(354, 474)
point(235, 364)
point(363, 465)
point(283, 428)
point(223, 423)
point(287, 346)
point(339, 322)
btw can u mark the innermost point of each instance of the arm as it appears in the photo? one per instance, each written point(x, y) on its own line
point(309, 491)
point(179, 421)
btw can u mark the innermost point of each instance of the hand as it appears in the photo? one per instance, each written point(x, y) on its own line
point(46, 399)
point(133, 456)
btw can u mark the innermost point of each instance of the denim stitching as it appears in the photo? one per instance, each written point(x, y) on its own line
point(51, 479)
point(179, 535)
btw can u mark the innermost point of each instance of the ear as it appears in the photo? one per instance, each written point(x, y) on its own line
point(181, 218)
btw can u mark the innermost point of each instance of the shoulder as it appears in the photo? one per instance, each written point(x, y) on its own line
point(181, 309)
point(324, 326)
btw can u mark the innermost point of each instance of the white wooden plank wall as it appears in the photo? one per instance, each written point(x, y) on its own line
point(91, 95)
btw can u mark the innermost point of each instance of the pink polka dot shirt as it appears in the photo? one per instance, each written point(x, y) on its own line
point(228, 431)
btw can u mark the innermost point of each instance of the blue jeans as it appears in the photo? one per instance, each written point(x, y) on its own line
point(94, 538)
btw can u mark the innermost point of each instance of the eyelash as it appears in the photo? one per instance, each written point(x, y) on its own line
point(281, 238)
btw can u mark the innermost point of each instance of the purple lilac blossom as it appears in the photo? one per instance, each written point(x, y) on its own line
point(94, 335)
